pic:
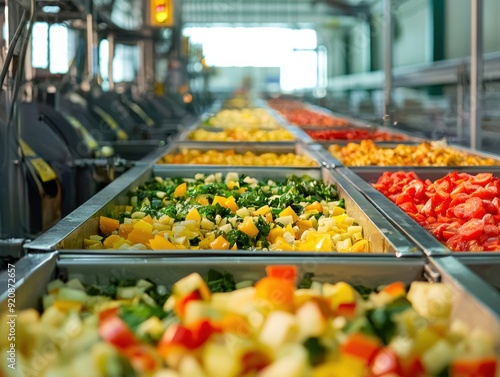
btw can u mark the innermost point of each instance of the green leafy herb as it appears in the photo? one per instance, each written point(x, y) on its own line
point(134, 315)
point(315, 351)
point(306, 281)
point(220, 282)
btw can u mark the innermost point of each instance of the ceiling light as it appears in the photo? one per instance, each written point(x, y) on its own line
point(51, 9)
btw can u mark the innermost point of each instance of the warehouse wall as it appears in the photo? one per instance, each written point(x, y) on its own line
point(414, 30)
point(230, 78)
point(458, 27)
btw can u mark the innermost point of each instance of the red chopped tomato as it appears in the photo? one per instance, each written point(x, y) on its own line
point(472, 229)
point(115, 331)
point(460, 210)
point(479, 367)
point(472, 208)
point(385, 362)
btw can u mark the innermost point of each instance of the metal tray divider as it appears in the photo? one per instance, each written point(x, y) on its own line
point(70, 227)
point(478, 300)
point(327, 160)
point(241, 147)
point(401, 244)
point(396, 216)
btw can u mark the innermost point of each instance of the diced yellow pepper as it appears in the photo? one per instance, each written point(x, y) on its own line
point(141, 224)
point(360, 246)
point(193, 215)
point(64, 305)
point(87, 243)
point(340, 293)
point(205, 243)
point(231, 204)
point(121, 242)
point(220, 200)
point(262, 211)
point(275, 233)
point(288, 211)
point(315, 241)
point(148, 219)
point(315, 206)
point(161, 243)
point(110, 241)
point(281, 244)
point(220, 243)
point(140, 236)
point(232, 184)
point(345, 365)
point(248, 227)
point(180, 190)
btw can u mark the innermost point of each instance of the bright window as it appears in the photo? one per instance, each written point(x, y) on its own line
point(125, 63)
point(39, 50)
point(62, 47)
point(262, 47)
point(59, 61)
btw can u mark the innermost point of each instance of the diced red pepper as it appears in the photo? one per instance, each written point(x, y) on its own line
point(362, 346)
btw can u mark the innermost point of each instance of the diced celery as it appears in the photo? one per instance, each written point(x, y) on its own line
point(70, 294)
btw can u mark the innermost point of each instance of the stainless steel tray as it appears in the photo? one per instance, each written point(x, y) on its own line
point(185, 136)
point(393, 145)
point(134, 149)
point(362, 177)
point(69, 233)
point(389, 143)
point(485, 267)
point(474, 301)
point(257, 148)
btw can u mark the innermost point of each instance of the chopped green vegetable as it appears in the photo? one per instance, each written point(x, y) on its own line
point(220, 282)
point(316, 352)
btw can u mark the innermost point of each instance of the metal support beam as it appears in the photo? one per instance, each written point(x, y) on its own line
point(476, 73)
point(388, 40)
point(111, 55)
point(90, 47)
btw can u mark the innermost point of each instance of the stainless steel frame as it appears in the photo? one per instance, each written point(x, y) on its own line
point(69, 233)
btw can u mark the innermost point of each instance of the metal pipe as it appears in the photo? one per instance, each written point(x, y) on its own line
point(461, 84)
point(11, 48)
point(111, 55)
point(90, 47)
point(476, 73)
point(388, 40)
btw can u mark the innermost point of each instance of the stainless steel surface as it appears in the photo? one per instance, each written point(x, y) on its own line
point(476, 73)
point(68, 235)
point(484, 266)
point(32, 273)
point(257, 148)
point(134, 149)
point(327, 160)
point(388, 60)
point(361, 179)
point(111, 55)
point(473, 301)
point(12, 248)
point(69, 231)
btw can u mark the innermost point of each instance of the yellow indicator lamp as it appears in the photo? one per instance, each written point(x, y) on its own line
point(162, 13)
